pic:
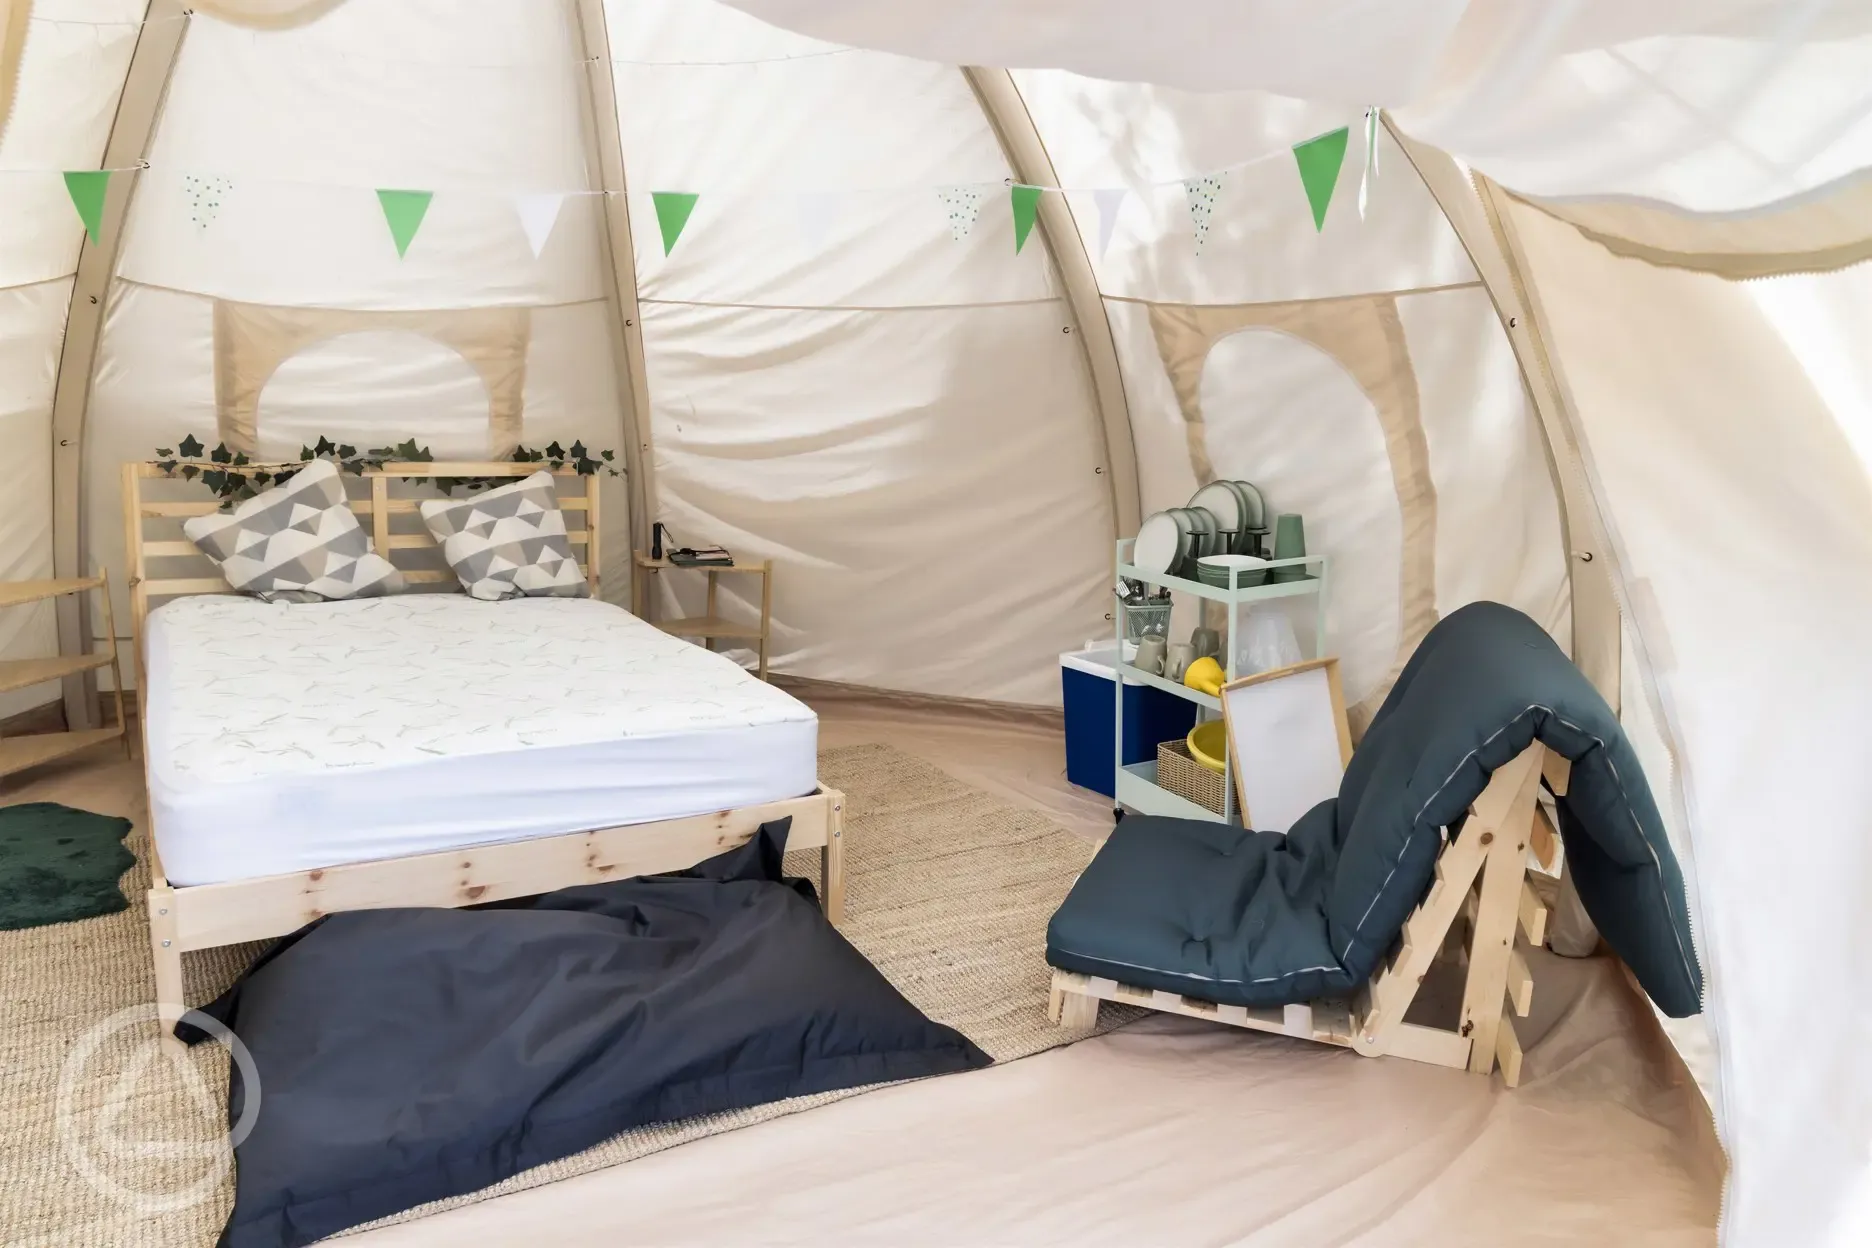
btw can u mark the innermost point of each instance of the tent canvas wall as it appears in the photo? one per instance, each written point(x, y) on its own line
point(1517, 358)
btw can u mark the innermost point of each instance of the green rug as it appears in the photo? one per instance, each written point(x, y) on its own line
point(58, 864)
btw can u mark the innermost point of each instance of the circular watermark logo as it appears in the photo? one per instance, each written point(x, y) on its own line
point(138, 1119)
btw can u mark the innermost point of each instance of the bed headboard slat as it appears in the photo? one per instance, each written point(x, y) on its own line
point(141, 545)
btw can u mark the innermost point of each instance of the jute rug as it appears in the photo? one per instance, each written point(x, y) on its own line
point(110, 1139)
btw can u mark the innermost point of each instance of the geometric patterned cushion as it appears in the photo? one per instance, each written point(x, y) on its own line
point(509, 542)
point(296, 542)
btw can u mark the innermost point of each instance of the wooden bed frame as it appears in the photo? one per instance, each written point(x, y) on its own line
point(1480, 897)
point(205, 916)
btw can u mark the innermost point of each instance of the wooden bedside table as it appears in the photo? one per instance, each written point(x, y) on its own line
point(708, 625)
point(19, 753)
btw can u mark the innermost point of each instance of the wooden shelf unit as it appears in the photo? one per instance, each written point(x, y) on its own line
point(20, 753)
point(710, 625)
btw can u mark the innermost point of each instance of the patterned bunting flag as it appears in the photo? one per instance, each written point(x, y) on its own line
point(672, 212)
point(1202, 193)
point(86, 188)
point(1319, 160)
point(404, 211)
point(964, 204)
point(205, 194)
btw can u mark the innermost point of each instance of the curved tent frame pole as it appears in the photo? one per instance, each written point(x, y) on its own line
point(1020, 142)
point(139, 105)
point(1597, 637)
point(604, 147)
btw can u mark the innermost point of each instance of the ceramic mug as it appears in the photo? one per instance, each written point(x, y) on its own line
point(1177, 660)
point(1206, 642)
point(1150, 654)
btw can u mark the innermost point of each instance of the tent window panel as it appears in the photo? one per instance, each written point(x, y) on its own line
point(1283, 414)
point(371, 388)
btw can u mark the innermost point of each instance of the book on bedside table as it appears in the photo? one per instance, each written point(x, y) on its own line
point(708, 557)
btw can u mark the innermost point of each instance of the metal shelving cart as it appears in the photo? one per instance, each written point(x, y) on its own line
point(1135, 784)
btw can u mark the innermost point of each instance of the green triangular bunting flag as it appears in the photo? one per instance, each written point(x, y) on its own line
point(404, 211)
point(86, 188)
point(672, 209)
point(1026, 203)
point(1319, 160)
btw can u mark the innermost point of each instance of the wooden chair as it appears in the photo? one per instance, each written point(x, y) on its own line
point(1481, 911)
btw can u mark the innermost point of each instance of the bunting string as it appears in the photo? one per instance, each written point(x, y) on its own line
point(1318, 161)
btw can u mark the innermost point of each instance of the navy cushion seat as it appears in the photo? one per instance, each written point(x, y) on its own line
point(1263, 918)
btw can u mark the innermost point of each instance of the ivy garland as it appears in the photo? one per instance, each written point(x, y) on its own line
point(222, 470)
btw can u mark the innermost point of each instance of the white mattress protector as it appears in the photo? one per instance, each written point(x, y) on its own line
point(287, 737)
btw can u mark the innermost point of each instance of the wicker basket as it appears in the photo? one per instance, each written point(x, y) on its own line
point(1189, 779)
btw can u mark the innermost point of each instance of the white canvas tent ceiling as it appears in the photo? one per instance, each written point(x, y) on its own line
point(1470, 389)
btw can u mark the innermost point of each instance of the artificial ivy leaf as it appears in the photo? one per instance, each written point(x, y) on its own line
point(189, 472)
point(607, 456)
point(584, 467)
point(220, 454)
point(347, 452)
point(167, 465)
point(190, 447)
point(240, 459)
point(555, 450)
point(261, 478)
point(163, 452)
point(214, 479)
point(285, 475)
point(324, 446)
point(578, 450)
point(305, 452)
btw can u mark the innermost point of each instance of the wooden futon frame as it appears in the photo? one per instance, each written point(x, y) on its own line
point(1482, 912)
point(205, 916)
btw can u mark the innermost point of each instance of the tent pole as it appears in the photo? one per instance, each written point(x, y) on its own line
point(1027, 156)
point(604, 151)
point(146, 82)
point(1596, 636)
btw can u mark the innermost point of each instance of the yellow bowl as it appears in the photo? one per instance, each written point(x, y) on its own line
point(1208, 744)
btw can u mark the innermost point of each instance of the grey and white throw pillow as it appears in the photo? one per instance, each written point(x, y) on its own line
point(297, 542)
point(509, 542)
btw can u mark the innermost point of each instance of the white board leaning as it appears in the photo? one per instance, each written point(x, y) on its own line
point(1288, 741)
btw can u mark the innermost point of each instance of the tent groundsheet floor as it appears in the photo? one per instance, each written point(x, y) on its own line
point(1168, 1131)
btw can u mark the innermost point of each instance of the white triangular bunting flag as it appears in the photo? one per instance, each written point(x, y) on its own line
point(1371, 159)
point(815, 213)
point(538, 214)
point(1110, 202)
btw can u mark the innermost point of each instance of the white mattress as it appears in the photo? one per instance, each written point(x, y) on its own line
point(284, 738)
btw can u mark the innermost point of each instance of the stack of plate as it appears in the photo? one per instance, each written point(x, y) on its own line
point(1247, 569)
point(1222, 519)
point(1239, 511)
